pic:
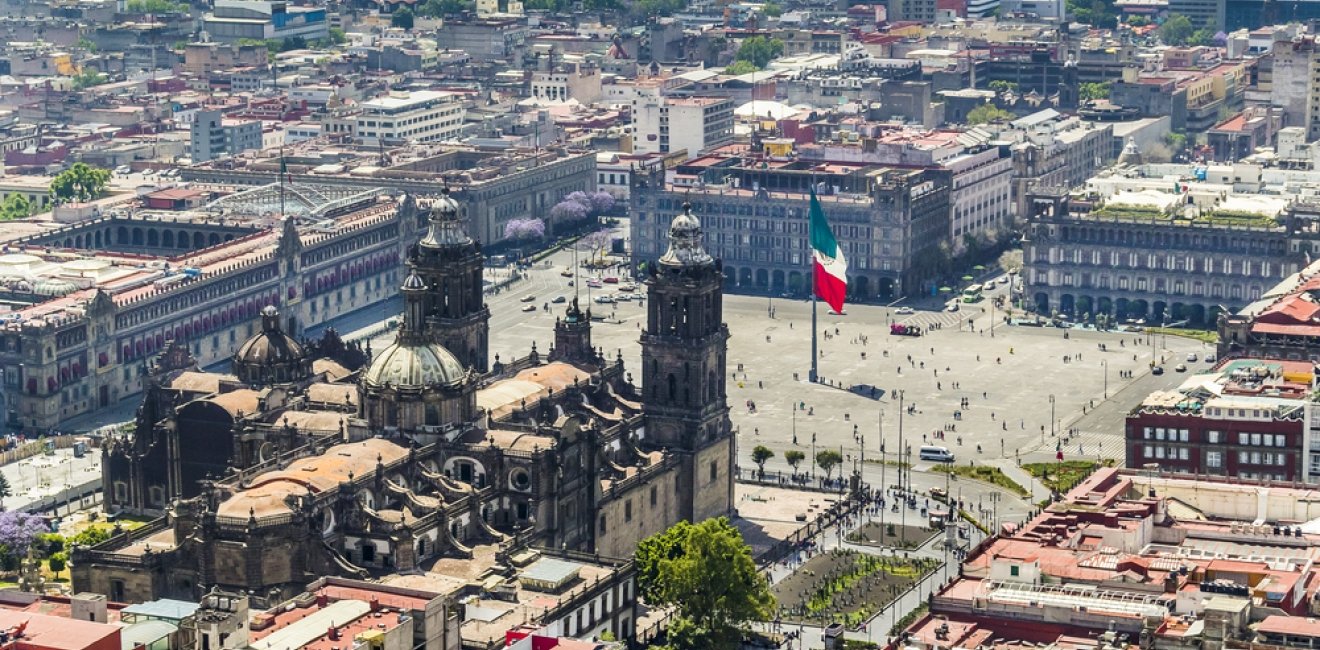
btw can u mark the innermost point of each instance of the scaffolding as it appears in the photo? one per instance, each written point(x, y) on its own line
point(310, 200)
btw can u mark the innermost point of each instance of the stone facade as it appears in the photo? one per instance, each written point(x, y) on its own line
point(893, 224)
point(1160, 270)
point(362, 465)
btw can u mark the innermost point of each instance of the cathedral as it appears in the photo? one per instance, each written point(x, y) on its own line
point(321, 457)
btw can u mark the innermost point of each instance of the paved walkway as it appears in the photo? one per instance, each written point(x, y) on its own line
point(1038, 490)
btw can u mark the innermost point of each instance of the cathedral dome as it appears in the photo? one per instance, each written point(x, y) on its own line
point(270, 356)
point(415, 365)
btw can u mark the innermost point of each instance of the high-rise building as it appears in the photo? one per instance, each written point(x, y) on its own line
point(421, 116)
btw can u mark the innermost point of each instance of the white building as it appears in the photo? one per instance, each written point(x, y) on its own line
point(420, 116)
point(614, 171)
point(675, 123)
point(580, 82)
point(980, 202)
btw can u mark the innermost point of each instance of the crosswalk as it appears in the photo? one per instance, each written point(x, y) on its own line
point(924, 319)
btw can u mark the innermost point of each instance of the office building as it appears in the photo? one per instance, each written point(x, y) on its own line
point(403, 117)
point(672, 124)
point(212, 135)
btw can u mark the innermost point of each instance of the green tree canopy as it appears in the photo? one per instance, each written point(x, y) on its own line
point(986, 113)
point(80, 182)
point(706, 573)
point(827, 459)
point(1091, 91)
point(794, 458)
point(155, 7)
point(402, 18)
point(760, 454)
point(1000, 85)
point(1176, 30)
point(772, 10)
point(740, 67)
point(338, 35)
point(15, 206)
point(760, 50)
point(438, 8)
point(87, 78)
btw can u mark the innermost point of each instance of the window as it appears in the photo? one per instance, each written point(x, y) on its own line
point(1243, 438)
point(1255, 439)
point(603, 527)
point(1183, 453)
point(1243, 458)
point(1013, 570)
point(1280, 440)
point(1148, 451)
point(1159, 433)
point(1214, 459)
point(1183, 435)
point(1212, 437)
point(653, 495)
point(714, 470)
point(627, 511)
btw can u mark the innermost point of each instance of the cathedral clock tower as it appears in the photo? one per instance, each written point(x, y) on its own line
point(685, 407)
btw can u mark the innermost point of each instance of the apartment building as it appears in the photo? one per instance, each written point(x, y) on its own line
point(419, 116)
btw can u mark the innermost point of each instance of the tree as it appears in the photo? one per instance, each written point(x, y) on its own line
point(794, 458)
point(740, 68)
point(1091, 91)
point(338, 36)
point(438, 8)
point(759, 50)
point(999, 85)
point(291, 43)
point(155, 7)
point(1177, 142)
point(18, 530)
point(58, 561)
point(568, 211)
point(986, 113)
point(1201, 37)
point(1176, 30)
point(403, 18)
point(87, 44)
point(1010, 259)
point(760, 454)
point(15, 206)
point(86, 78)
point(80, 182)
point(706, 573)
point(827, 459)
point(772, 10)
point(6, 490)
point(90, 536)
point(519, 229)
point(601, 201)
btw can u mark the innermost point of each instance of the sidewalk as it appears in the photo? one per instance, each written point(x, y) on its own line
point(1021, 477)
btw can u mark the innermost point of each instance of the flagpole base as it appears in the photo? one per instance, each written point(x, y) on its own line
point(811, 376)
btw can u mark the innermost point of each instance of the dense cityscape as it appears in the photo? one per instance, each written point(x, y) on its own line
point(647, 324)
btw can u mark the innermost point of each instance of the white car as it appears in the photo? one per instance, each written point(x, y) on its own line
point(904, 311)
point(604, 300)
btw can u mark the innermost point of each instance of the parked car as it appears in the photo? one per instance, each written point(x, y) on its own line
point(559, 300)
point(1157, 370)
point(529, 298)
point(1191, 357)
point(529, 308)
point(904, 311)
point(1180, 368)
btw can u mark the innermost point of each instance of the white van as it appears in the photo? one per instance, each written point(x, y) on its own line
point(937, 454)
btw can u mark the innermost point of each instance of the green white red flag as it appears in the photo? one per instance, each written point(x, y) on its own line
point(830, 271)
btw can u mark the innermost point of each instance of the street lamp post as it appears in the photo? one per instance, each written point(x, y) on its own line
point(1052, 432)
point(1105, 363)
point(812, 460)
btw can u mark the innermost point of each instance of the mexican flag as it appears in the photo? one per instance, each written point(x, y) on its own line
point(831, 270)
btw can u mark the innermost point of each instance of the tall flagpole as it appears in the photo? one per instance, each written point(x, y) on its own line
point(813, 375)
point(815, 356)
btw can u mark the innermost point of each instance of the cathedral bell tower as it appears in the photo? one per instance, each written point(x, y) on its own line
point(573, 336)
point(684, 347)
point(449, 263)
